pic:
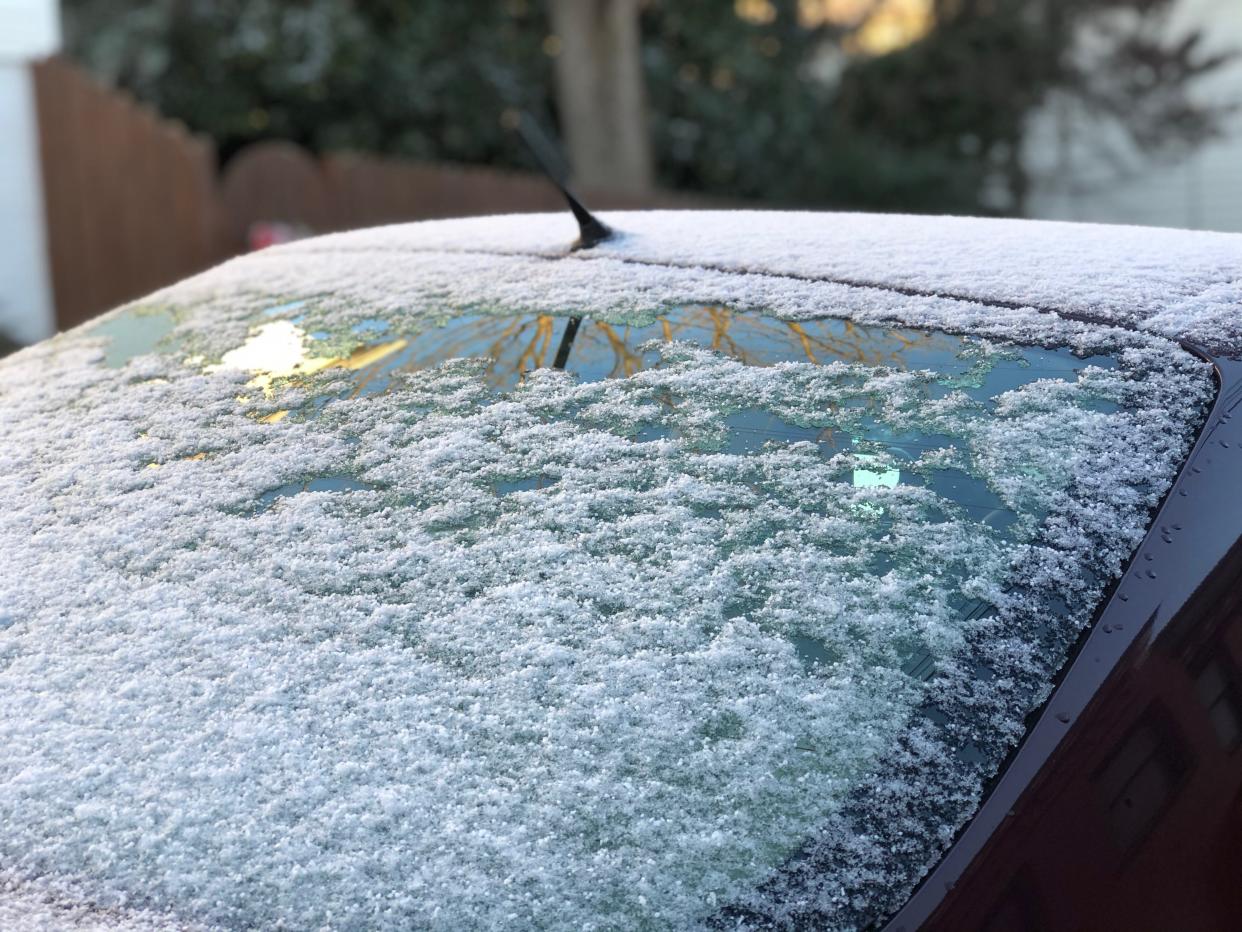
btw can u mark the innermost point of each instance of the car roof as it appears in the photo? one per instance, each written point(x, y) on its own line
point(1179, 283)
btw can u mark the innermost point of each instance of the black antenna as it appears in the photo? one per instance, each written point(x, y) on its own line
point(591, 230)
point(567, 342)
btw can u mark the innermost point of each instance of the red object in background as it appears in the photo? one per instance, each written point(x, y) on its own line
point(1136, 822)
point(264, 233)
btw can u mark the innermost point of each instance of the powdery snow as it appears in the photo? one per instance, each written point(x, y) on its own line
point(24, 909)
point(1168, 281)
point(440, 698)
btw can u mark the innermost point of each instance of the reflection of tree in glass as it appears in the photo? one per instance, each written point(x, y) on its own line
point(601, 349)
point(524, 340)
point(517, 344)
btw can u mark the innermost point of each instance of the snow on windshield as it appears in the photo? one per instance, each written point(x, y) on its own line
point(303, 625)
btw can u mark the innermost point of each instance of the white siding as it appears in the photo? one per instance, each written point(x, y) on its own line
point(1202, 191)
point(28, 29)
point(26, 310)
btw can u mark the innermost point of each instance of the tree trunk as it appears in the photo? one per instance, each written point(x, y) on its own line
point(600, 93)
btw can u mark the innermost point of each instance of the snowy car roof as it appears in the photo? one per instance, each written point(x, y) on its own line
point(1183, 284)
point(298, 627)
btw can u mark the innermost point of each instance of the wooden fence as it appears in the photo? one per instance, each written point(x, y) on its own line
point(279, 181)
point(130, 199)
point(134, 202)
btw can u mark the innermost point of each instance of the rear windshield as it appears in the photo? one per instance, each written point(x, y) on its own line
point(535, 620)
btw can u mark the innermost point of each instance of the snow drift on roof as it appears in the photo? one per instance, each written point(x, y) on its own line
point(1173, 282)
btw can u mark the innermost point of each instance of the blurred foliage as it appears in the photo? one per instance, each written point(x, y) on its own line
point(764, 106)
point(778, 111)
point(756, 111)
point(421, 79)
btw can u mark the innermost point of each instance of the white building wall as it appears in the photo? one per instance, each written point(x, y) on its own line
point(28, 29)
point(1202, 191)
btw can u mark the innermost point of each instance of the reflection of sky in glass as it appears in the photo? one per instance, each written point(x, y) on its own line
point(279, 348)
point(133, 334)
point(518, 344)
point(603, 350)
point(320, 484)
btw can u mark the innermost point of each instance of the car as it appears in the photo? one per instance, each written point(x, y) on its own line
point(727, 570)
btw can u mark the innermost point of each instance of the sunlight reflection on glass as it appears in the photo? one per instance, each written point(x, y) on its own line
point(280, 350)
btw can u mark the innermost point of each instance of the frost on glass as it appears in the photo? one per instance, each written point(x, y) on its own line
point(377, 623)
